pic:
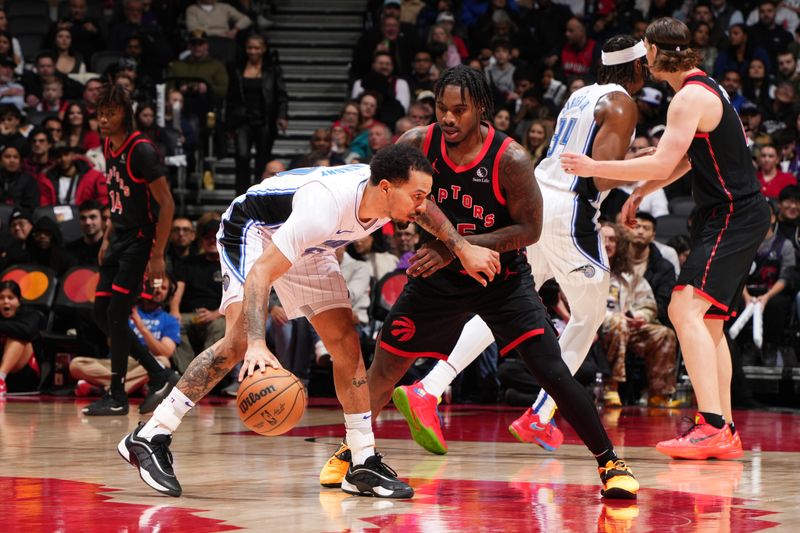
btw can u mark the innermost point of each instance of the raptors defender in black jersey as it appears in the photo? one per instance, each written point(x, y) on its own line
point(703, 134)
point(141, 214)
point(484, 183)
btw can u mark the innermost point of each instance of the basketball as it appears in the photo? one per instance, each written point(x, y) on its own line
point(271, 402)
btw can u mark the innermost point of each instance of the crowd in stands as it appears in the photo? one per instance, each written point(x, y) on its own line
point(214, 57)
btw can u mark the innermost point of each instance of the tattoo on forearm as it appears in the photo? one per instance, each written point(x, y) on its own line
point(359, 381)
point(205, 371)
point(256, 304)
point(524, 202)
point(437, 224)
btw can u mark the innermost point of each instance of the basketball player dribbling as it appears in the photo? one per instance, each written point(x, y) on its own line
point(133, 246)
point(283, 233)
point(599, 119)
point(484, 183)
point(703, 133)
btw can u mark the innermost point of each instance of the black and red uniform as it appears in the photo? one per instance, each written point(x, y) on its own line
point(134, 213)
point(733, 216)
point(427, 319)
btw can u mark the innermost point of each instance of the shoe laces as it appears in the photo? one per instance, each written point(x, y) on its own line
point(161, 449)
point(687, 425)
point(379, 466)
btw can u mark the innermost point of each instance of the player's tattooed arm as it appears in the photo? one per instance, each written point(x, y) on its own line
point(205, 371)
point(524, 202)
point(437, 224)
point(414, 137)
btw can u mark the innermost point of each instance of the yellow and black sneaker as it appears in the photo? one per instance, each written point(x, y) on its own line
point(618, 481)
point(335, 469)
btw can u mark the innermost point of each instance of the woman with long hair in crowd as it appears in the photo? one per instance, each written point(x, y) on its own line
point(145, 119)
point(258, 107)
point(757, 85)
point(701, 40)
point(502, 121)
point(537, 139)
point(440, 34)
point(69, 61)
point(77, 130)
point(16, 49)
point(18, 327)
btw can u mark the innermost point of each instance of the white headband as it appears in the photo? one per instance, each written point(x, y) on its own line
point(624, 56)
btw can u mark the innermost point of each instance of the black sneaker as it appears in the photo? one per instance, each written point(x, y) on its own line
point(108, 405)
point(158, 389)
point(153, 459)
point(374, 478)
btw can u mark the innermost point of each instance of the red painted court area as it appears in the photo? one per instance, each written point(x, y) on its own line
point(60, 472)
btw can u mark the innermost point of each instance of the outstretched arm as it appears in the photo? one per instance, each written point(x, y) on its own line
point(683, 118)
point(524, 201)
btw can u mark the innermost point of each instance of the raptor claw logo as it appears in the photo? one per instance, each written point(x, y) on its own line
point(403, 329)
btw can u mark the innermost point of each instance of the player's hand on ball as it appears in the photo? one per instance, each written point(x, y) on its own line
point(577, 164)
point(431, 257)
point(257, 356)
point(479, 262)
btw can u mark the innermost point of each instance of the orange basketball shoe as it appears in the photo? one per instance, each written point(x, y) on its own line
point(702, 441)
point(420, 411)
point(529, 428)
point(618, 481)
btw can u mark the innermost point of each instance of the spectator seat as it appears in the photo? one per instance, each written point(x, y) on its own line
point(67, 218)
point(681, 205)
point(669, 226)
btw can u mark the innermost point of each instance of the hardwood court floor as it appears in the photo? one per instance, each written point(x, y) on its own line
point(59, 471)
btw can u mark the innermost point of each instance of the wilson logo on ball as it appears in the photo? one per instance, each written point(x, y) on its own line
point(403, 328)
point(253, 397)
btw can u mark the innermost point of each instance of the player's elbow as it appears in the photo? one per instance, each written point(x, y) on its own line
point(532, 233)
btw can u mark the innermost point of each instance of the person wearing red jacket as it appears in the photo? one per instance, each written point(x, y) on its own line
point(71, 180)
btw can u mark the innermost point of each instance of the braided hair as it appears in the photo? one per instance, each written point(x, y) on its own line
point(468, 79)
point(114, 96)
point(624, 74)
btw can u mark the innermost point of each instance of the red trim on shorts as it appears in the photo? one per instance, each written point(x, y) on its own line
point(519, 340)
point(145, 296)
point(705, 296)
point(117, 288)
point(702, 84)
point(496, 171)
point(717, 317)
point(463, 168)
point(124, 144)
point(727, 217)
point(428, 136)
point(102, 293)
point(413, 355)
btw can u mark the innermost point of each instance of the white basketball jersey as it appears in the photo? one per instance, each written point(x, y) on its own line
point(575, 131)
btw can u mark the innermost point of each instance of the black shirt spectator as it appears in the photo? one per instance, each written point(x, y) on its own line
point(200, 277)
point(33, 80)
point(86, 248)
point(87, 37)
point(16, 187)
point(767, 34)
point(44, 247)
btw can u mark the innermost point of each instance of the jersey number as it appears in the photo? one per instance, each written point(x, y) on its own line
point(116, 201)
point(563, 132)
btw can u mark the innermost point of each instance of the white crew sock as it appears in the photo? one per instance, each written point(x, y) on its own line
point(3, 375)
point(360, 438)
point(474, 339)
point(168, 415)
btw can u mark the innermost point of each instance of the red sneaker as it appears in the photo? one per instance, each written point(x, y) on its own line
point(420, 411)
point(3, 388)
point(528, 428)
point(84, 389)
point(737, 450)
point(702, 441)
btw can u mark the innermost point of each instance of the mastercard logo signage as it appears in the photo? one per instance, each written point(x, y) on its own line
point(78, 285)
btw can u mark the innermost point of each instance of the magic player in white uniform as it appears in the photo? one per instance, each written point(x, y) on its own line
point(599, 119)
point(283, 233)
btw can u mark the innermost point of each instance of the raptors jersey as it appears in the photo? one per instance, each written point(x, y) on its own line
point(722, 168)
point(129, 172)
point(470, 195)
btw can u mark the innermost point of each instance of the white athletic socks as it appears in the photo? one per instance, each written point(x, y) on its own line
point(474, 339)
point(168, 415)
point(437, 380)
point(360, 438)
